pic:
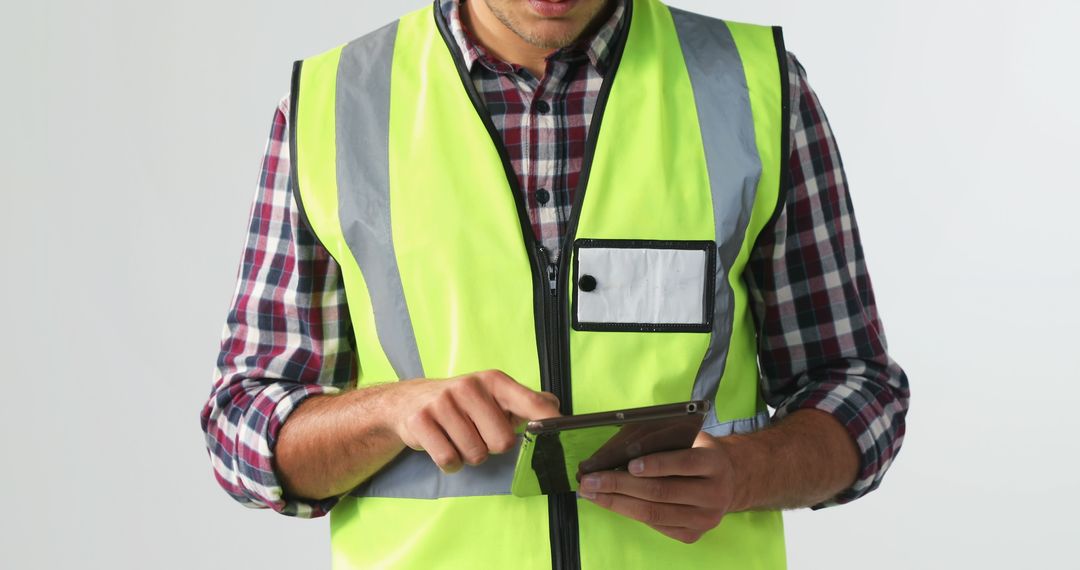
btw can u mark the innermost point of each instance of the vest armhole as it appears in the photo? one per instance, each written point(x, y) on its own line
point(294, 179)
point(785, 136)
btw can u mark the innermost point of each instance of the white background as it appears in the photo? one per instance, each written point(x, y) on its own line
point(132, 137)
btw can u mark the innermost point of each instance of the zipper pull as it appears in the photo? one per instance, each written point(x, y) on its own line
point(552, 269)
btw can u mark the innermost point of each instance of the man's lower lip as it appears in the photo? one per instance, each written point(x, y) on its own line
point(550, 9)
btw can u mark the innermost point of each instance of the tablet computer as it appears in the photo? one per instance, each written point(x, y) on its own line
point(557, 452)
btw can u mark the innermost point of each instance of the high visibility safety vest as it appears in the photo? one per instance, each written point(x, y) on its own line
point(402, 176)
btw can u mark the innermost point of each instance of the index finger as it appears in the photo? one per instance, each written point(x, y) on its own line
point(519, 400)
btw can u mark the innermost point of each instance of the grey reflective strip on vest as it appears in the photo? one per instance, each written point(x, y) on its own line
point(727, 131)
point(363, 163)
point(746, 425)
point(413, 475)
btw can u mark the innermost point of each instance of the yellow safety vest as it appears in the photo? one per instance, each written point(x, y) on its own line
point(403, 178)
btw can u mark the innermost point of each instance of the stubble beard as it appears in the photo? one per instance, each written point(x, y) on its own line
point(543, 41)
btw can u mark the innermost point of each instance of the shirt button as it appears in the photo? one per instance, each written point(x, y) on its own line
point(542, 196)
point(587, 283)
point(542, 107)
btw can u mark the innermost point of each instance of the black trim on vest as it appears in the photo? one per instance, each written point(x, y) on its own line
point(552, 338)
point(785, 134)
point(294, 181)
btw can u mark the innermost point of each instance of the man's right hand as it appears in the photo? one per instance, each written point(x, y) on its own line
point(332, 443)
point(462, 420)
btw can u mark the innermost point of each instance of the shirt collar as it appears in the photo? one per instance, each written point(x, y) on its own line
point(596, 47)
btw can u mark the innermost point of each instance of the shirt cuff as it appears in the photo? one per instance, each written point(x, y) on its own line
point(256, 440)
point(872, 416)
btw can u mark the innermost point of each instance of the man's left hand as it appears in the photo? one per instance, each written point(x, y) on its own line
point(682, 494)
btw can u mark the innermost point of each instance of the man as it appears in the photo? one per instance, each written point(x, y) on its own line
point(450, 243)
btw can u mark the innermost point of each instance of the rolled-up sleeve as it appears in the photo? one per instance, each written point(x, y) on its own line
point(821, 341)
point(287, 337)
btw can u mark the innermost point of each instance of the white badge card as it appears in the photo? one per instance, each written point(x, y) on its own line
point(644, 285)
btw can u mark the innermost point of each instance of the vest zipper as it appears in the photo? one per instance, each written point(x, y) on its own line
point(553, 320)
point(562, 507)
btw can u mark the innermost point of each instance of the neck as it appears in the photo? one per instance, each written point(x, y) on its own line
point(500, 41)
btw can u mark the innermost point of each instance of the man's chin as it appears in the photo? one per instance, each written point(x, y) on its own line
point(551, 35)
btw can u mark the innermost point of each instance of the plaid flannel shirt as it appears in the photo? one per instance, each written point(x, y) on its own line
point(288, 335)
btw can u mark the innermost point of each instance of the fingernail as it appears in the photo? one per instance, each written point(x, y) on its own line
point(636, 466)
point(586, 494)
point(590, 482)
